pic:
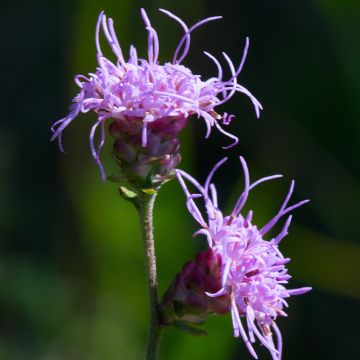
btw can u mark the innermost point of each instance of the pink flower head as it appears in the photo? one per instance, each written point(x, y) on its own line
point(133, 89)
point(254, 275)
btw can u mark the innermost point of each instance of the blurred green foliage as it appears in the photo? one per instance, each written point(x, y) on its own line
point(71, 262)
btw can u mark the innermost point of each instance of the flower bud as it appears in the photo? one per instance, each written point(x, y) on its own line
point(186, 301)
point(147, 167)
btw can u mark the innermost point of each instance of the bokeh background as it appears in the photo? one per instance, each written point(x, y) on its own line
point(72, 282)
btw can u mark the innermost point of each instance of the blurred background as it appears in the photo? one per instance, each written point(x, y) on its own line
point(72, 281)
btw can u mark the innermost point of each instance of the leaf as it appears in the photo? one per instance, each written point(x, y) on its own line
point(189, 329)
point(128, 194)
point(150, 191)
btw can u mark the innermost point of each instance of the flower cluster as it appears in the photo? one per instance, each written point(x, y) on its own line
point(253, 269)
point(142, 93)
point(149, 104)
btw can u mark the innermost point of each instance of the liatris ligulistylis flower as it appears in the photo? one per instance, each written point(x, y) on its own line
point(149, 103)
point(253, 272)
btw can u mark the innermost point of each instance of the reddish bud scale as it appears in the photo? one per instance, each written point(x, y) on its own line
point(185, 300)
point(147, 166)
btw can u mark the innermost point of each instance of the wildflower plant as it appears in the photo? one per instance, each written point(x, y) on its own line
point(147, 104)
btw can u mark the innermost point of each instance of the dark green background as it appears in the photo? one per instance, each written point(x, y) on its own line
point(72, 282)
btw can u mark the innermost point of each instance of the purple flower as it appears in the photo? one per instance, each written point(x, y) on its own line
point(143, 91)
point(254, 275)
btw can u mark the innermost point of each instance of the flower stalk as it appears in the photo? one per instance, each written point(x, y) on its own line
point(145, 206)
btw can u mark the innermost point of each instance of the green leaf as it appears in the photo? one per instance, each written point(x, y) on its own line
point(189, 329)
point(128, 194)
point(149, 191)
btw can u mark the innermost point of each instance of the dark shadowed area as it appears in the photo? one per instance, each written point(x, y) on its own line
point(72, 280)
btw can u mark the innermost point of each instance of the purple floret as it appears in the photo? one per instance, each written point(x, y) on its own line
point(144, 89)
point(254, 275)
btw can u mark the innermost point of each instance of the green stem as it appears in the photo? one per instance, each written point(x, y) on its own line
point(145, 209)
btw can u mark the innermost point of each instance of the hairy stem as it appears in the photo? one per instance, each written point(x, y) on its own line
point(145, 209)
